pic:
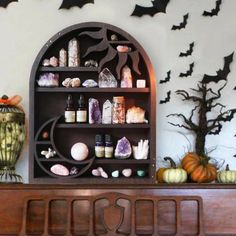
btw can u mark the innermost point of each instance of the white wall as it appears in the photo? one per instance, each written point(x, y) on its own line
point(25, 27)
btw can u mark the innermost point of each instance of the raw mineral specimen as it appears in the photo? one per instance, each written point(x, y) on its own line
point(74, 83)
point(118, 112)
point(107, 112)
point(135, 115)
point(63, 58)
point(121, 48)
point(74, 171)
point(126, 78)
point(123, 149)
point(141, 173)
point(114, 37)
point(99, 172)
point(90, 83)
point(115, 174)
point(95, 116)
point(91, 63)
point(140, 152)
point(127, 172)
point(106, 79)
point(73, 53)
point(48, 80)
point(53, 61)
point(49, 153)
point(59, 169)
point(46, 62)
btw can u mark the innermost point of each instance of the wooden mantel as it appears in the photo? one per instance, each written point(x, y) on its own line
point(187, 209)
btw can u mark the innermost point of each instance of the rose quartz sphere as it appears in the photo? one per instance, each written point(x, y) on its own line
point(79, 151)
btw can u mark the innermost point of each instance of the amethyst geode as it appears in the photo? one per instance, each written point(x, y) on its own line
point(95, 116)
point(123, 149)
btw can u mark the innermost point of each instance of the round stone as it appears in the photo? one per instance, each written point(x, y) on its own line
point(59, 169)
point(141, 173)
point(45, 135)
point(79, 151)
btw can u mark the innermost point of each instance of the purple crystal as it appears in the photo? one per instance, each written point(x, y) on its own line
point(48, 80)
point(123, 149)
point(95, 116)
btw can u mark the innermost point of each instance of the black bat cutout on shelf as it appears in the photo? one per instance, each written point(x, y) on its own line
point(167, 79)
point(188, 52)
point(182, 24)
point(167, 99)
point(67, 4)
point(157, 7)
point(188, 72)
point(215, 11)
point(5, 3)
point(220, 74)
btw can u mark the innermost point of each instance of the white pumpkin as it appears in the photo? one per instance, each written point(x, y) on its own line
point(174, 175)
point(227, 176)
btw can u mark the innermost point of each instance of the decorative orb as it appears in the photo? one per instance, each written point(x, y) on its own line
point(45, 135)
point(79, 151)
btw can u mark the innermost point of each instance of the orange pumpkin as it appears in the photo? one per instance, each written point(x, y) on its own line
point(159, 175)
point(198, 167)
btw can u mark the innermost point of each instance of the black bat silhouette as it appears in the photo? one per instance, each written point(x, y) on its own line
point(215, 11)
point(167, 99)
point(188, 72)
point(167, 79)
point(220, 74)
point(182, 24)
point(188, 52)
point(235, 155)
point(67, 4)
point(4, 3)
point(157, 6)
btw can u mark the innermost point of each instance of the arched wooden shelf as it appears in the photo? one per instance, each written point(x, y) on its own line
point(47, 104)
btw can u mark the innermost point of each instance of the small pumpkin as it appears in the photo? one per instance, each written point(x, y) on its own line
point(227, 176)
point(174, 175)
point(159, 175)
point(198, 167)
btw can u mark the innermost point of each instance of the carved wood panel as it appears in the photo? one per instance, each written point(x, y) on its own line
point(111, 214)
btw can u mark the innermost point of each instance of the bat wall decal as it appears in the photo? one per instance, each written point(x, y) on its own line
point(188, 52)
point(182, 24)
point(215, 11)
point(5, 3)
point(167, 99)
point(167, 79)
point(220, 74)
point(188, 72)
point(157, 7)
point(67, 4)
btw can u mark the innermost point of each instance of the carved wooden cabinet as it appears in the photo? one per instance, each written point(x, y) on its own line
point(47, 107)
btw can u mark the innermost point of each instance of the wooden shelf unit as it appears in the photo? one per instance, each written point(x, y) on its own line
point(47, 108)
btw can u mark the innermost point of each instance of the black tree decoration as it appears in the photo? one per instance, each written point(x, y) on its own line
point(206, 102)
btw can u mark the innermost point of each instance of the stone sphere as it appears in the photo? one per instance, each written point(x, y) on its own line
point(79, 151)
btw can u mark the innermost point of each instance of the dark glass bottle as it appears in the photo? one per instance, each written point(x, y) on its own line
point(69, 110)
point(108, 146)
point(99, 146)
point(81, 115)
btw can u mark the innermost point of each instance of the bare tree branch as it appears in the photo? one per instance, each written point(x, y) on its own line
point(186, 96)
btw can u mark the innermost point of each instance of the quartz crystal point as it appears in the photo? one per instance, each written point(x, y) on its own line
point(126, 78)
point(73, 53)
point(63, 58)
point(123, 149)
point(107, 112)
point(106, 79)
point(95, 116)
